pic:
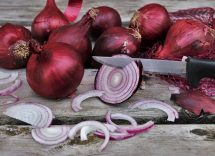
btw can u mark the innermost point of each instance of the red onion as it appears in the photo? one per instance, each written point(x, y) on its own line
point(72, 10)
point(187, 38)
point(118, 84)
point(14, 47)
point(50, 136)
point(76, 35)
point(54, 71)
point(95, 124)
point(32, 113)
point(107, 17)
point(9, 78)
point(195, 102)
point(147, 104)
point(151, 21)
point(204, 14)
point(117, 40)
point(47, 20)
point(78, 99)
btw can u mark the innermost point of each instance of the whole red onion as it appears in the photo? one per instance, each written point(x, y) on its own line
point(106, 18)
point(152, 21)
point(47, 20)
point(187, 38)
point(117, 40)
point(76, 35)
point(54, 71)
point(14, 46)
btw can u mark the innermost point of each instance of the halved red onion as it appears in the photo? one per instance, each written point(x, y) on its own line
point(8, 78)
point(9, 90)
point(147, 104)
point(51, 135)
point(77, 100)
point(97, 125)
point(72, 10)
point(118, 84)
point(115, 135)
point(118, 116)
point(35, 114)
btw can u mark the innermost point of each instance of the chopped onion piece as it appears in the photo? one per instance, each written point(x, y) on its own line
point(7, 91)
point(50, 136)
point(35, 114)
point(118, 84)
point(77, 100)
point(147, 104)
point(120, 116)
point(115, 136)
point(12, 77)
point(96, 124)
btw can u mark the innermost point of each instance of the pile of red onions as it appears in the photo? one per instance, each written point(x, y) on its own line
point(117, 40)
point(107, 17)
point(14, 45)
point(76, 35)
point(54, 70)
point(152, 21)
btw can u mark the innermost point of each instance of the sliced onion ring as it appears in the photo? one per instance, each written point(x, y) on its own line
point(118, 116)
point(10, 78)
point(51, 135)
point(35, 114)
point(119, 84)
point(147, 104)
point(96, 124)
point(4, 75)
point(78, 99)
point(72, 10)
point(140, 128)
point(7, 91)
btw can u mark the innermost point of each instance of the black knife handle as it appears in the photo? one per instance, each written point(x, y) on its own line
point(198, 69)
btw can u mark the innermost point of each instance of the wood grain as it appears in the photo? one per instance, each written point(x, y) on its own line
point(95, 109)
point(162, 140)
point(23, 11)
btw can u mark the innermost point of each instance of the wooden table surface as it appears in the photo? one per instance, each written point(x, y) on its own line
point(189, 135)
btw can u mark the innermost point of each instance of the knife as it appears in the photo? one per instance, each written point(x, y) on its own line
point(193, 69)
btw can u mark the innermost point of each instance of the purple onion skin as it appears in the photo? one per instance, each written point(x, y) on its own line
point(107, 17)
point(117, 40)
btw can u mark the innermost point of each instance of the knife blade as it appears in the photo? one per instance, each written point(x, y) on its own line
point(165, 67)
point(193, 69)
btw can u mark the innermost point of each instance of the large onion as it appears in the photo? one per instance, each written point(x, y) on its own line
point(54, 71)
point(118, 84)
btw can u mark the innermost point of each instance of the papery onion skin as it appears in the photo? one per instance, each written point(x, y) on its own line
point(47, 20)
point(152, 21)
point(117, 40)
point(187, 38)
point(14, 47)
point(55, 72)
point(107, 17)
point(76, 35)
point(195, 102)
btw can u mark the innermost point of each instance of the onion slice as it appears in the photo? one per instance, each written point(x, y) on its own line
point(118, 84)
point(7, 91)
point(77, 100)
point(118, 116)
point(73, 9)
point(115, 136)
point(140, 128)
point(16, 99)
point(4, 79)
point(95, 124)
point(51, 135)
point(147, 104)
point(4, 75)
point(35, 114)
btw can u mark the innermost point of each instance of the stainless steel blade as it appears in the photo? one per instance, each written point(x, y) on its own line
point(165, 67)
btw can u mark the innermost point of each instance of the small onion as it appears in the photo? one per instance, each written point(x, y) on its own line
point(35, 114)
point(95, 124)
point(51, 135)
point(147, 104)
point(118, 84)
